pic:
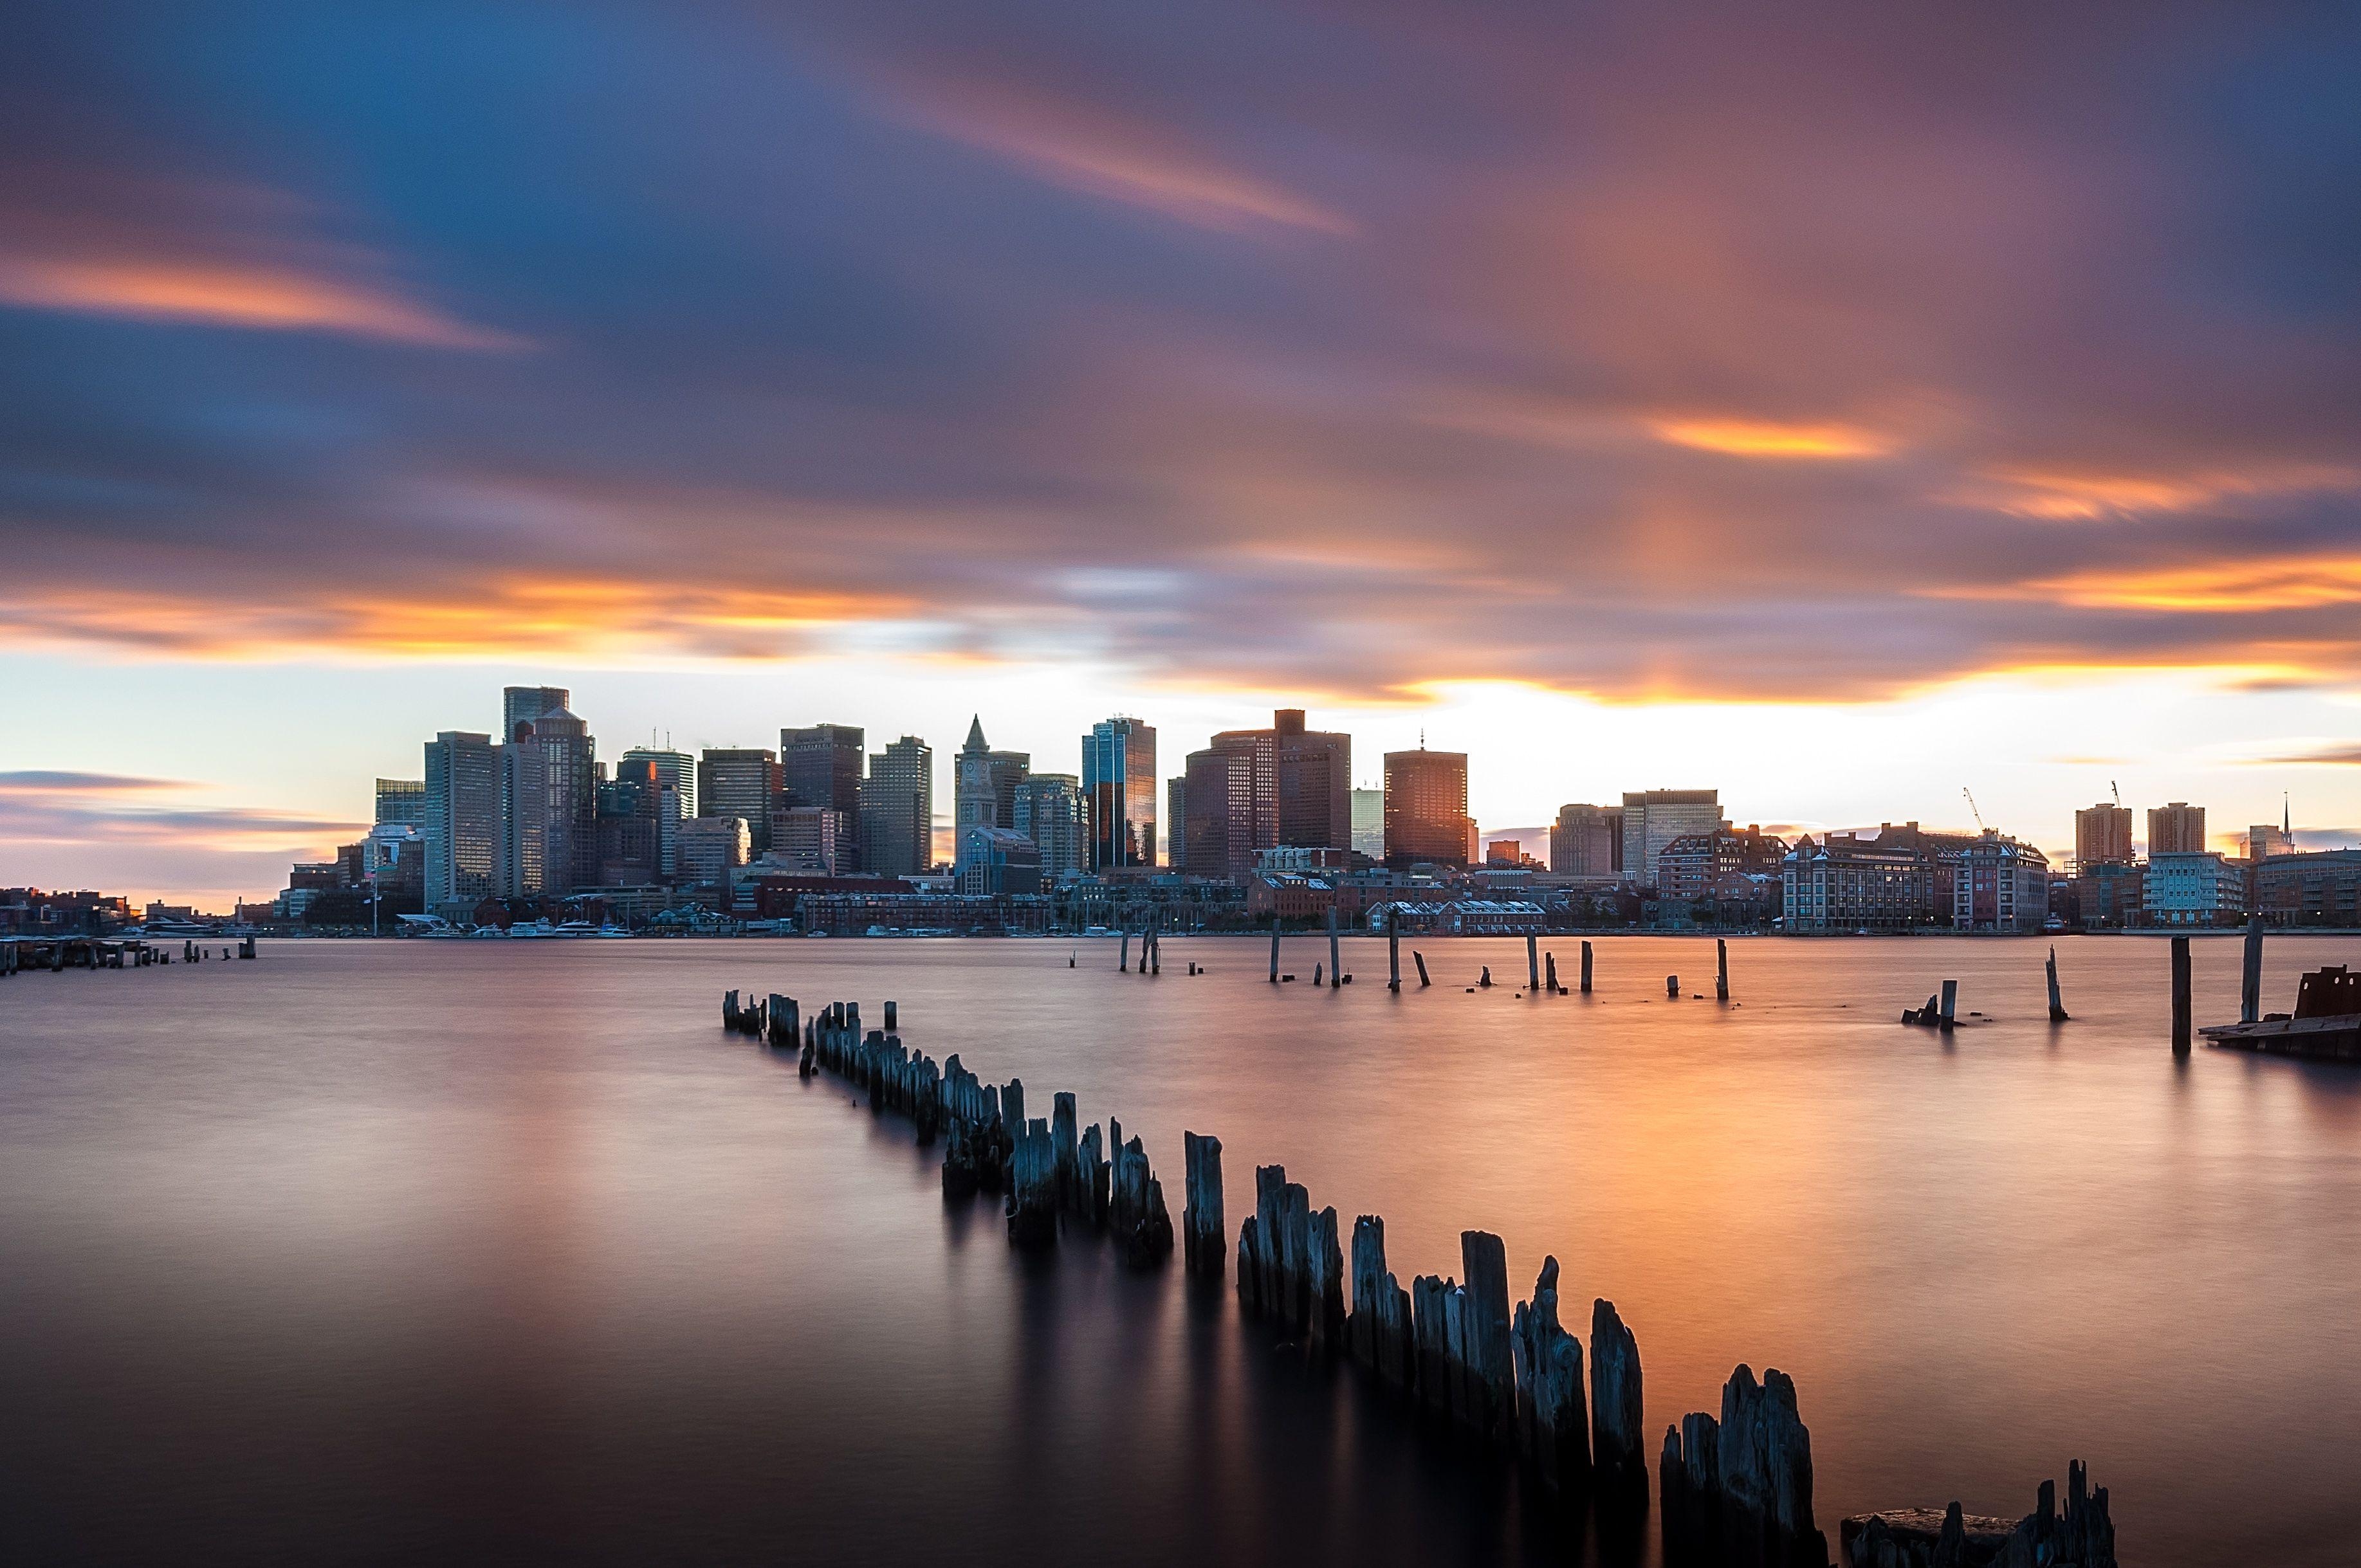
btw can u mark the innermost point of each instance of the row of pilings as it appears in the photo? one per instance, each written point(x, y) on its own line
point(1735, 1489)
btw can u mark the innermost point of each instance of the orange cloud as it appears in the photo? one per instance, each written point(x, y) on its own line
point(2063, 495)
point(1764, 438)
point(2226, 587)
point(255, 297)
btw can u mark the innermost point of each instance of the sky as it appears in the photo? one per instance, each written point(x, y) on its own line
point(1844, 406)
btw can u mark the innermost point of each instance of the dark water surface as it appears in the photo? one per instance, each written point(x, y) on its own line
point(488, 1250)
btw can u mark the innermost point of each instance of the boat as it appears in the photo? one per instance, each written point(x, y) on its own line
point(2325, 1026)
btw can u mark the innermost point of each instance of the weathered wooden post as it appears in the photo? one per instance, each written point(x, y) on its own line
point(2250, 976)
point(1201, 1221)
point(1673, 986)
point(1393, 954)
point(1485, 981)
point(1122, 958)
point(1420, 959)
point(1950, 1002)
point(2180, 996)
point(1274, 949)
point(1720, 970)
point(1532, 964)
point(1335, 969)
point(893, 1017)
point(2056, 1001)
point(1549, 973)
point(1617, 1451)
point(1586, 968)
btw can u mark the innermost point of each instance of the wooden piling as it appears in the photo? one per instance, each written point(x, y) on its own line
point(1335, 969)
point(1549, 973)
point(1720, 970)
point(892, 1018)
point(1553, 1422)
point(1672, 985)
point(1393, 956)
point(1201, 1220)
point(1420, 959)
point(1274, 949)
point(1950, 1004)
point(1586, 968)
point(2056, 1001)
point(1122, 958)
point(2180, 1006)
point(2250, 974)
point(1532, 965)
point(1618, 1454)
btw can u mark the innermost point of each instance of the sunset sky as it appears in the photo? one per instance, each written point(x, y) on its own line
point(1842, 406)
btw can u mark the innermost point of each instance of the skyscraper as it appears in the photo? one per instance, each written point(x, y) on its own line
point(738, 781)
point(1051, 811)
point(676, 771)
point(524, 704)
point(1119, 781)
point(898, 809)
point(1587, 841)
point(984, 787)
point(1654, 818)
point(1427, 808)
point(1176, 820)
point(2102, 835)
point(551, 804)
point(1313, 774)
point(1231, 791)
point(2176, 830)
point(1370, 823)
point(821, 766)
point(401, 800)
point(462, 821)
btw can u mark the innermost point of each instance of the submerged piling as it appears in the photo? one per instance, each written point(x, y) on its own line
point(1393, 956)
point(1335, 969)
point(1201, 1220)
point(1586, 968)
point(1720, 970)
point(2180, 1007)
point(2056, 1000)
point(1532, 965)
point(1420, 959)
point(2250, 974)
point(1274, 949)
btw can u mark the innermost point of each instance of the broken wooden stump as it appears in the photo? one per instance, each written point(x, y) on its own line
point(1379, 1327)
point(1921, 1538)
point(1553, 1422)
point(1201, 1220)
point(1586, 968)
point(2180, 1006)
point(2056, 1001)
point(1033, 1188)
point(1618, 1460)
point(1720, 970)
point(1420, 959)
point(1135, 1208)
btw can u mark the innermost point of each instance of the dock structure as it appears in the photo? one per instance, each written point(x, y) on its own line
point(1736, 1488)
point(54, 955)
point(2325, 1026)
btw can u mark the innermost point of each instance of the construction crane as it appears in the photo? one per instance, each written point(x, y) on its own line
point(1971, 807)
point(2116, 792)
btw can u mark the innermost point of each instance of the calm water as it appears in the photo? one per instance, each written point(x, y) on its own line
point(377, 1251)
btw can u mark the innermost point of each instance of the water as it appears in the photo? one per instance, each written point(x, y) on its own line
point(383, 1251)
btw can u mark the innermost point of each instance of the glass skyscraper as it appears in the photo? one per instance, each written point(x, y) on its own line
point(1119, 782)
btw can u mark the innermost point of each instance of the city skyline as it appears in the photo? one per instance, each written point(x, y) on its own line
point(1048, 371)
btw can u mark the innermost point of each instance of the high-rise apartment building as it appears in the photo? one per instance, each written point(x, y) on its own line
point(822, 766)
point(463, 822)
point(1370, 823)
point(740, 782)
point(1427, 808)
point(1231, 793)
point(2176, 830)
point(1050, 811)
point(898, 809)
point(1119, 782)
point(1587, 841)
point(401, 800)
point(2102, 835)
point(1654, 818)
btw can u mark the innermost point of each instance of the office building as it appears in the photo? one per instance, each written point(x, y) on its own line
point(1427, 808)
point(1587, 841)
point(740, 782)
point(822, 766)
point(629, 843)
point(1312, 776)
point(1999, 885)
point(2264, 840)
point(997, 862)
point(897, 810)
point(1176, 820)
point(522, 705)
point(807, 840)
point(710, 847)
point(2193, 887)
point(985, 785)
point(1844, 883)
point(1231, 794)
point(549, 805)
point(1370, 823)
point(2110, 894)
point(463, 826)
point(676, 771)
point(2176, 830)
point(401, 801)
point(2102, 835)
point(1051, 811)
point(1119, 782)
point(1654, 818)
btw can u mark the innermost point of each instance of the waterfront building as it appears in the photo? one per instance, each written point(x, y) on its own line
point(2321, 888)
point(1051, 812)
point(2109, 895)
point(1654, 818)
point(1845, 882)
point(1427, 808)
point(1587, 841)
point(1232, 794)
point(393, 862)
point(2000, 884)
point(1370, 823)
point(629, 837)
point(1692, 866)
point(710, 847)
point(740, 782)
point(2193, 887)
point(2264, 840)
point(401, 801)
point(463, 826)
point(2102, 835)
point(1119, 782)
point(2176, 830)
point(898, 809)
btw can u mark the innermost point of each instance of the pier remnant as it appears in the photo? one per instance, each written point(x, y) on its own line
point(2250, 974)
point(1201, 1220)
point(1920, 1537)
point(1274, 949)
point(1122, 957)
point(1335, 969)
point(1552, 1423)
point(1486, 982)
point(1619, 1461)
point(1135, 1208)
point(2181, 1005)
point(1420, 959)
point(1032, 1188)
point(1549, 976)
point(1532, 965)
point(1672, 985)
point(1950, 1002)
point(1379, 1327)
point(1721, 969)
point(2056, 1001)
point(1586, 968)
point(1485, 1348)
point(1393, 955)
